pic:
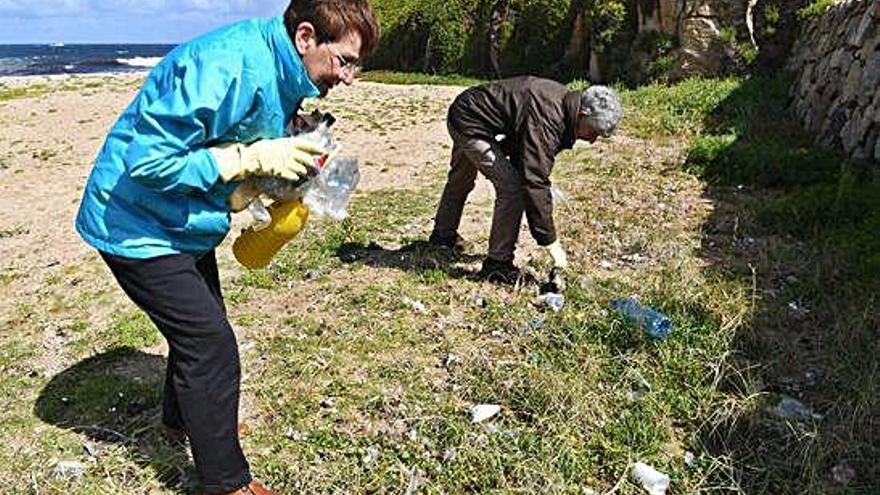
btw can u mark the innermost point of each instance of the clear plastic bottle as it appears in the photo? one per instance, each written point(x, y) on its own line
point(654, 323)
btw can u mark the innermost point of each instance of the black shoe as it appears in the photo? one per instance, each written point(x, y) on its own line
point(555, 282)
point(504, 272)
point(454, 242)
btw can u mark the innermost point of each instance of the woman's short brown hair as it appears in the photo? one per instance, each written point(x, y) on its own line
point(333, 19)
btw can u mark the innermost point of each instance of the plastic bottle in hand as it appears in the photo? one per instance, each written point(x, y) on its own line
point(256, 248)
point(654, 323)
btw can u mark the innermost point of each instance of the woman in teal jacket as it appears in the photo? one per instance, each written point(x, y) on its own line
point(156, 203)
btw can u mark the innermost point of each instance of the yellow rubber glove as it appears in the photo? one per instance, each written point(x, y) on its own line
point(291, 158)
point(558, 254)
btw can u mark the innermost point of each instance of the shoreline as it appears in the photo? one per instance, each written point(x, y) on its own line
point(19, 81)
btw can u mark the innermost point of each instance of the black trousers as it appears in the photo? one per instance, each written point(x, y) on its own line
point(181, 294)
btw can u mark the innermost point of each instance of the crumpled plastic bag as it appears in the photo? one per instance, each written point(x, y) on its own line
point(326, 194)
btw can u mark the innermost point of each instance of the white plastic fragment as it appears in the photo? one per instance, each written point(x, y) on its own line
point(90, 448)
point(790, 407)
point(413, 486)
point(843, 474)
point(449, 455)
point(450, 361)
point(653, 481)
point(68, 469)
point(482, 412)
point(689, 459)
point(560, 197)
point(371, 455)
point(553, 301)
point(418, 306)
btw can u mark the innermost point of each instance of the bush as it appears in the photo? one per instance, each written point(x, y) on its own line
point(815, 8)
point(419, 35)
point(453, 36)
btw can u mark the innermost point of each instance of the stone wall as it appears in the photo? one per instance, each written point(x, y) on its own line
point(837, 91)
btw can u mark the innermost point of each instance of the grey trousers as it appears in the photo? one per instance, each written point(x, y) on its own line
point(470, 155)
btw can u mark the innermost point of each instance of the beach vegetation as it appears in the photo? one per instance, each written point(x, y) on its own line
point(364, 350)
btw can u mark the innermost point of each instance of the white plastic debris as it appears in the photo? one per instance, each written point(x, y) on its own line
point(653, 481)
point(689, 459)
point(636, 394)
point(560, 197)
point(449, 455)
point(262, 217)
point(90, 448)
point(450, 361)
point(418, 306)
point(371, 455)
point(68, 469)
point(790, 407)
point(413, 486)
point(843, 474)
point(553, 301)
point(798, 309)
point(482, 412)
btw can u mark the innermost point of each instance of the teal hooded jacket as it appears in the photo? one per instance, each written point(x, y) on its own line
point(155, 188)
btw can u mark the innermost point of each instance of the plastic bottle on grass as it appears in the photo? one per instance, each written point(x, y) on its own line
point(654, 323)
point(256, 248)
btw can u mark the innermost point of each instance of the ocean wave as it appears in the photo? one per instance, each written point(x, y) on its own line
point(139, 61)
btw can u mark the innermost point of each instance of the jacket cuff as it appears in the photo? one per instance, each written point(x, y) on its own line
point(227, 157)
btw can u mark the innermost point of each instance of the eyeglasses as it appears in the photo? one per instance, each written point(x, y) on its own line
point(345, 66)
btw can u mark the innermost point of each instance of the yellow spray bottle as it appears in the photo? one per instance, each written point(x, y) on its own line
point(256, 248)
point(258, 244)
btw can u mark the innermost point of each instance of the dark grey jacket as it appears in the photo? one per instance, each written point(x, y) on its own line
point(538, 118)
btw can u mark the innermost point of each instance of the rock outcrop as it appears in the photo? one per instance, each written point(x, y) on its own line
point(697, 25)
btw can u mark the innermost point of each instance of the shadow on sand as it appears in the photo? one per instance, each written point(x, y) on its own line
point(114, 398)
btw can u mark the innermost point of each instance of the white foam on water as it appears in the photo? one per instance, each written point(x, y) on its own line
point(140, 61)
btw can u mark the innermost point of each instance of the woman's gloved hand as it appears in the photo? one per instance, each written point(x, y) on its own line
point(291, 158)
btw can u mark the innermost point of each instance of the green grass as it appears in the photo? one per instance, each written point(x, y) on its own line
point(659, 110)
point(349, 389)
point(371, 218)
point(72, 84)
point(811, 216)
point(29, 91)
point(814, 9)
point(391, 77)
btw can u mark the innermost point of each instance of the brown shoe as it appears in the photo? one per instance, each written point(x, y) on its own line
point(178, 436)
point(253, 488)
point(174, 435)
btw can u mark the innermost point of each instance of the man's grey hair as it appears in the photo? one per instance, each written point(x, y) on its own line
point(602, 108)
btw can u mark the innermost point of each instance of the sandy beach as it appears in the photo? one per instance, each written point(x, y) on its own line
point(51, 128)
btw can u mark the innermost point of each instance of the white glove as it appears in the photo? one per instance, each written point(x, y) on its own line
point(291, 158)
point(558, 254)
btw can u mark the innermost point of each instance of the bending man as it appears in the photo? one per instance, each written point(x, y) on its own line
point(511, 131)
